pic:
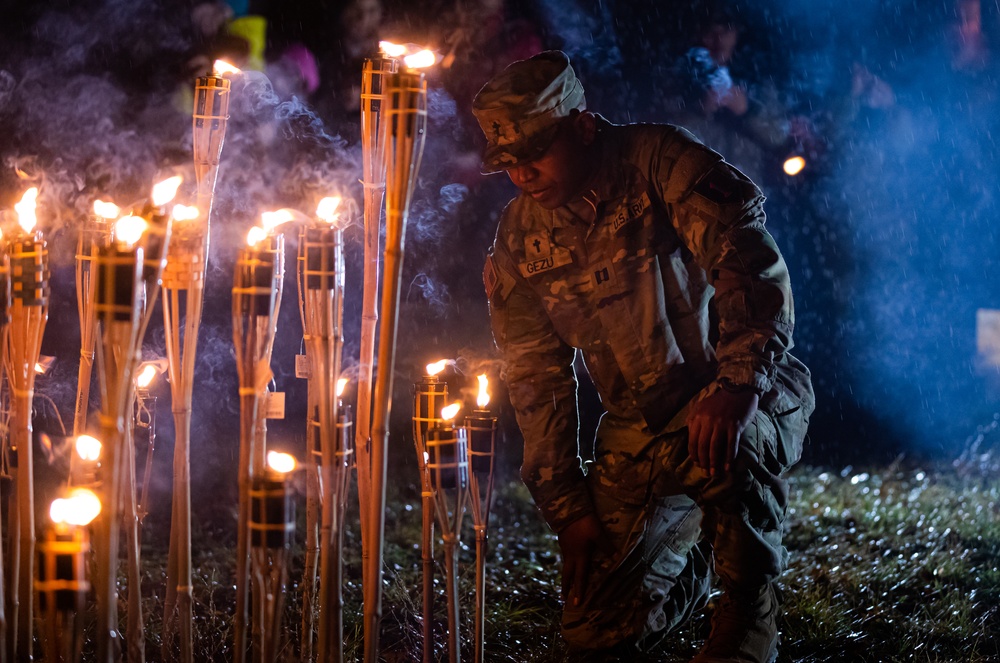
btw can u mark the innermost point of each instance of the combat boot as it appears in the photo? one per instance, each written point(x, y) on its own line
point(744, 627)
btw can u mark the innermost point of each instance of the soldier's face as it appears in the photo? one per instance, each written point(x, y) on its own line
point(559, 175)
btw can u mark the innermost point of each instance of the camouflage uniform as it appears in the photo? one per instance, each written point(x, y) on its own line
point(626, 274)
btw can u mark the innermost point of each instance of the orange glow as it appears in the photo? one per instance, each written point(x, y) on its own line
point(436, 367)
point(256, 236)
point(794, 165)
point(129, 229)
point(106, 210)
point(483, 399)
point(279, 462)
point(391, 49)
point(327, 208)
point(26, 210)
point(80, 508)
point(88, 448)
point(449, 412)
point(165, 191)
point(184, 212)
point(420, 59)
point(341, 385)
point(146, 376)
point(271, 220)
point(221, 68)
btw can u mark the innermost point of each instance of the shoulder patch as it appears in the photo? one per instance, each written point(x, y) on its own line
point(719, 186)
point(490, 277)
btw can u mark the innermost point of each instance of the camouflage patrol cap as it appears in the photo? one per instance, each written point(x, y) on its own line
point(519, 109)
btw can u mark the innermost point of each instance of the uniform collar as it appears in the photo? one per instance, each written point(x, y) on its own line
point(606, 183)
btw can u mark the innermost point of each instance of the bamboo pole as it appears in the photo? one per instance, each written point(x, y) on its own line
point(94, 233)
point(405, 133)
point(373, 102)
point(448, 464)
point(256, 282)
point(182, 311)
point(29, 312)
point(322, 282)
point(117, 304)
point(5, 306)
point(481, 429)
point(429, 396)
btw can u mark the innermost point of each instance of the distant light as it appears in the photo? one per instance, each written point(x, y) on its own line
point(794, 165)
point(80, 508)
point(280, 462)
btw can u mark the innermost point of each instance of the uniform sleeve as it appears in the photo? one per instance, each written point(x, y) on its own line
point(719, 215)
point(543, 388)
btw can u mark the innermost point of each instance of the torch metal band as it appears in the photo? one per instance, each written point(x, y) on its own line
point(272, 513)
point(482, 442)
point(447, 459)
point(61, 580)
point(117, 277)
point(254, 282)
point(323, 267)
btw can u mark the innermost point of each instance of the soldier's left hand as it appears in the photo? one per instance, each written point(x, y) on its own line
point(715, 425)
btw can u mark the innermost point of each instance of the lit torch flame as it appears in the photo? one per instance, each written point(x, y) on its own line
point(106, 210)
point(341, 385)
point(146, 376)
point(129, 229)
point(436, 367)
point(184, 212)
point(420, 59)
point(327, 209)
point(391, 49)
point(165, 191)
point(88, 448)
point(26, 210)
point(483, 399)
point(221, 68)
point(280, 462)
point(794, 165)
point(80, 508)
point(271, 220)
point(255, 236)
point(449, 412)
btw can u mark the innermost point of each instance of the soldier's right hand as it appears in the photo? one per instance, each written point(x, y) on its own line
point(578, 542)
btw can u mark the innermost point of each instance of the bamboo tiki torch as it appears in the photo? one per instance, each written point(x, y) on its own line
point(481, 430)
point(117, 305)
point(29, 274)
point(154, 243)
point(5, 305)
point(272, 527)
point(321, 296)
point(62, 584)
point(406, 117)
point(373, 105)
point(255, 286)
point(95, 232)
point(184, 292)
point(448, 465)
point(429, 396)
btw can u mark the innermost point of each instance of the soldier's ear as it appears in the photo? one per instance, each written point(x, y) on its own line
point(585, 125)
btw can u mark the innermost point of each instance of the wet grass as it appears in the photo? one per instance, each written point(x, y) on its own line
point(890, 564)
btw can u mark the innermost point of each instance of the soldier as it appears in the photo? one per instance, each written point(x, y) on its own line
point(644, 250)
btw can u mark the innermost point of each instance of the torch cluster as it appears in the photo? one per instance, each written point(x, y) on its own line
point(125, 258)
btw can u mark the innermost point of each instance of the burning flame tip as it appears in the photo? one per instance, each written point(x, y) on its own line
point(88, 448)
point(436, 367)
point(184, 212)
point(221, 68)
point(26, 210)
point(255, 236)
point(341, 386)
point(165, 191)
point(280, 462)
point(106, 210)
point(449, 412)
point(483, 399)
point(128, 229)
point(79, 508)
point(327, 209)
